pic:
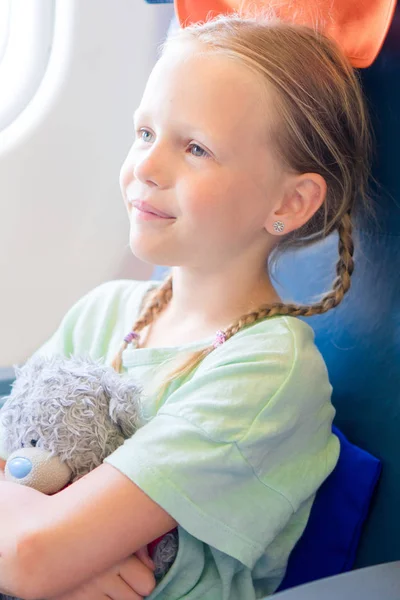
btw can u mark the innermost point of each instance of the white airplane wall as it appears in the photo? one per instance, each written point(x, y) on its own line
point(63, 225)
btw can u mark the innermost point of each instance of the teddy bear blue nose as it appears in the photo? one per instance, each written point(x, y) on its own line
point(19, 467)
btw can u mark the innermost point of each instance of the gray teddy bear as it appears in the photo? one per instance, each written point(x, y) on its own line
point(62, 418)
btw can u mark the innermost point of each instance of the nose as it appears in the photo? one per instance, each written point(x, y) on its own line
point(20, 467)
point(38, 469)
point(153, 167)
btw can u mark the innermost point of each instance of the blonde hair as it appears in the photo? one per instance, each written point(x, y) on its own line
point(323, 128)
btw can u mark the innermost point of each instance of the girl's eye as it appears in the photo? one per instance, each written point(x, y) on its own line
point(199, 152)
point(141, 132)
point(203, 153)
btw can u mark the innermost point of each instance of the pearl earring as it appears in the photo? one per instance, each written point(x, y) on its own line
point(279, 226)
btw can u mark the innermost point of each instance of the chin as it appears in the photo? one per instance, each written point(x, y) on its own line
point(150, 254)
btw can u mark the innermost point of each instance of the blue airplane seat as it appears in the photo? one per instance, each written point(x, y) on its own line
point(360, 339)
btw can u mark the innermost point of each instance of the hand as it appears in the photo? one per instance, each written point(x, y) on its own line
point(132, 579)
point(2, 467)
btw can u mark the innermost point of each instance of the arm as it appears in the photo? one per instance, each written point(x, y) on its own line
point(18, 507)
point(104, 516)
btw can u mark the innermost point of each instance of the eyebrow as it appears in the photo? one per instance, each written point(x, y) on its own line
point(182, 124)
point(135, 114)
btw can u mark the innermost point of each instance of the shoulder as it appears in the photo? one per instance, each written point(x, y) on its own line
point(107, 303)
point(289, 337)
point(282, 348)
point(98, 321)
point(267, 367)
point(106, 314)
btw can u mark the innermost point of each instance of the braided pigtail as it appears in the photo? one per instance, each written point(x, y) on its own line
point(153, 305)
point(341, 285)
point(161, 296)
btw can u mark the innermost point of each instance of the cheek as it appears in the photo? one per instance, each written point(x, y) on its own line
point(207, 198)
point(127, 169)
point(222, 212)
point(125, 175)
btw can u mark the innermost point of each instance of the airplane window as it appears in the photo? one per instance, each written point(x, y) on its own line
point(4, 25)
point(26, 33)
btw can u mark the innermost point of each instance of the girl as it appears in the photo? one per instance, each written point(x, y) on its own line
point(251, 137)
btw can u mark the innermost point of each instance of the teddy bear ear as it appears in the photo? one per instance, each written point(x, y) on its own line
point(124, 405)
point(29, 369)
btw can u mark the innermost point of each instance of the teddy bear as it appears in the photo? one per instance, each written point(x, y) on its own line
point(62, 418)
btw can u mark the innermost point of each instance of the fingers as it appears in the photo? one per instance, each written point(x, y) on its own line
point(120, 590)
point(143, 555)
point(129, 580)
point(109, 587)
point(137, 575)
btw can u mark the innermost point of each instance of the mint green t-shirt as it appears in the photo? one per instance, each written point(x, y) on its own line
point(234, 451)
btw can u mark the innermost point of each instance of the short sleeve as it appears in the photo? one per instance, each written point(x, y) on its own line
point(237, 450)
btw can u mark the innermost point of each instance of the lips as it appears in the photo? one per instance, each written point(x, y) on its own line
point(146, 207)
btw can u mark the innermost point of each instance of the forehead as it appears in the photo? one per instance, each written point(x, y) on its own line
point(207, 90)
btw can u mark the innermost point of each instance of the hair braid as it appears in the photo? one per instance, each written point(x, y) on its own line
point(158, 299)
point(341, 285)
point(161, 296)
point(152, 305)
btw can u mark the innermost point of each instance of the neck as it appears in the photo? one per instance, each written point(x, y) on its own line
point(215, 300)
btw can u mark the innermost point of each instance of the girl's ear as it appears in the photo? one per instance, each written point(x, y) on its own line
point(303, 197)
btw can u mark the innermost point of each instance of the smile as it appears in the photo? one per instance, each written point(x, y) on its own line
point(148, 216)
